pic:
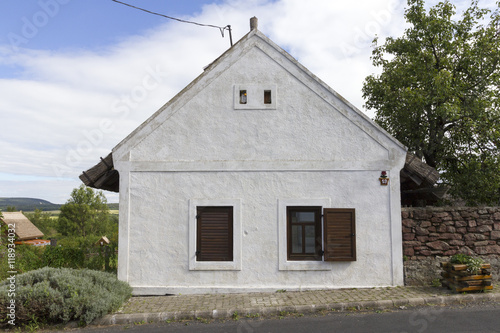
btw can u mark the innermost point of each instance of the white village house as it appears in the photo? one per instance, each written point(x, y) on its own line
point(256, 177)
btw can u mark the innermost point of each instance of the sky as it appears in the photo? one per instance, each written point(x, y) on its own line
point(77, 76)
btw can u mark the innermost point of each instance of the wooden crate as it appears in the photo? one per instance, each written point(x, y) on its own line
point(456, 278)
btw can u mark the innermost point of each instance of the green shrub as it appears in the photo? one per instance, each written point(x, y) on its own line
point(68, 257)
point(27, 257)
point(55, 295)
point(460, 259)
point(473, 264)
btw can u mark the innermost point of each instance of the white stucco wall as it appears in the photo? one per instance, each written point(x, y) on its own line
point(310, 146)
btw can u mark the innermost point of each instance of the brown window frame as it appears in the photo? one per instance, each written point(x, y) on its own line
point(208, 234)
point(317, 255)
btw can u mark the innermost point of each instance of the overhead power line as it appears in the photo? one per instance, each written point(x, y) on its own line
point(221, 29)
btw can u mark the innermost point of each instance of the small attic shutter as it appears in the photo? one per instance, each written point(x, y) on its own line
point(214, 234)
point(339, 234)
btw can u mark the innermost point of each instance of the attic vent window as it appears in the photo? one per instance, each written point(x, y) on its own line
point(243, 97)
point(267, 96)
point(254, 96)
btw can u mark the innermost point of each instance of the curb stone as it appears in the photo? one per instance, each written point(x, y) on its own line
point(121, 319)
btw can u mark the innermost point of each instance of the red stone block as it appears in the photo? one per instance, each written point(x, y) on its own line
point(408, 252)
point(438, 245)
point(421, 231)
point(408, 236)
point(421, 215)
point(450, 236)
point(481, 237)
point(489, 249)
point(470, 237)
point(441, 228)
point(425, 224)
point(484, 222)
point(484, 228)
point(495, 235)
point(409, 223)
point(411, 243)
point(481, 243)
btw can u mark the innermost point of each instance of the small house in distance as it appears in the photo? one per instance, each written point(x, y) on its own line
point(256, 177)
point(26, 232)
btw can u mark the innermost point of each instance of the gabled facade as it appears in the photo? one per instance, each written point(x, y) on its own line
point(258, 176)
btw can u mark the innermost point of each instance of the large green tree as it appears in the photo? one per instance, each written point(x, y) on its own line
point(85, 213)
point(438, 93)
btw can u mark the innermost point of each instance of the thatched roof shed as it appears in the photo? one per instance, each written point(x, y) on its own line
point(102, 176)
point(418, 183)
point(24, 229)
point(419, 172)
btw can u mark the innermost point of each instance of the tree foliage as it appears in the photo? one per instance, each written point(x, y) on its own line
point(85, 213)
point(438, 94)
point(43, 221)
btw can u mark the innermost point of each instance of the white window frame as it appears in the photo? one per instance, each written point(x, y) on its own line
point(234, 265)
point(296, 265)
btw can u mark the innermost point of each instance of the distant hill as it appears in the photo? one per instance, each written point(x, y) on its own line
point(27, 204)
point(30, 204)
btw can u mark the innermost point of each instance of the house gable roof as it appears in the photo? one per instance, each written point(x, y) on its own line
point(255, 39)
point(24, 229)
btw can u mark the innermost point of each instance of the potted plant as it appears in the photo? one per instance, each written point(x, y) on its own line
point(465, 273)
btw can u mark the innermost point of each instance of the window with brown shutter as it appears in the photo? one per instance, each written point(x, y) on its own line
point(304, 233)
point(214, 236)
point(339, 230)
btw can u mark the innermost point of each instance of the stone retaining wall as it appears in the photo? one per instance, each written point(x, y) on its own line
point(433, 234)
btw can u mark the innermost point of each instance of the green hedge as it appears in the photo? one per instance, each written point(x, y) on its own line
point(29, 258)
point(58, 295)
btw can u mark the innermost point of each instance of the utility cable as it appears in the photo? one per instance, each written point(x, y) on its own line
point(221, 29)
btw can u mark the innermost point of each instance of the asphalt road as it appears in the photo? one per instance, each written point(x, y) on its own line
point(469, 318)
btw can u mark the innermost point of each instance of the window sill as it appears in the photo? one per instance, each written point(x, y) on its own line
point(214, 266)
point(304, 266)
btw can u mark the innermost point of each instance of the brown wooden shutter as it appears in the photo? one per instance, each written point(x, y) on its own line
point(214, 234)
point(339, 234)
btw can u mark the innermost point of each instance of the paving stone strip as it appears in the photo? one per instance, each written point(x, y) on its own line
point(161, 308)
